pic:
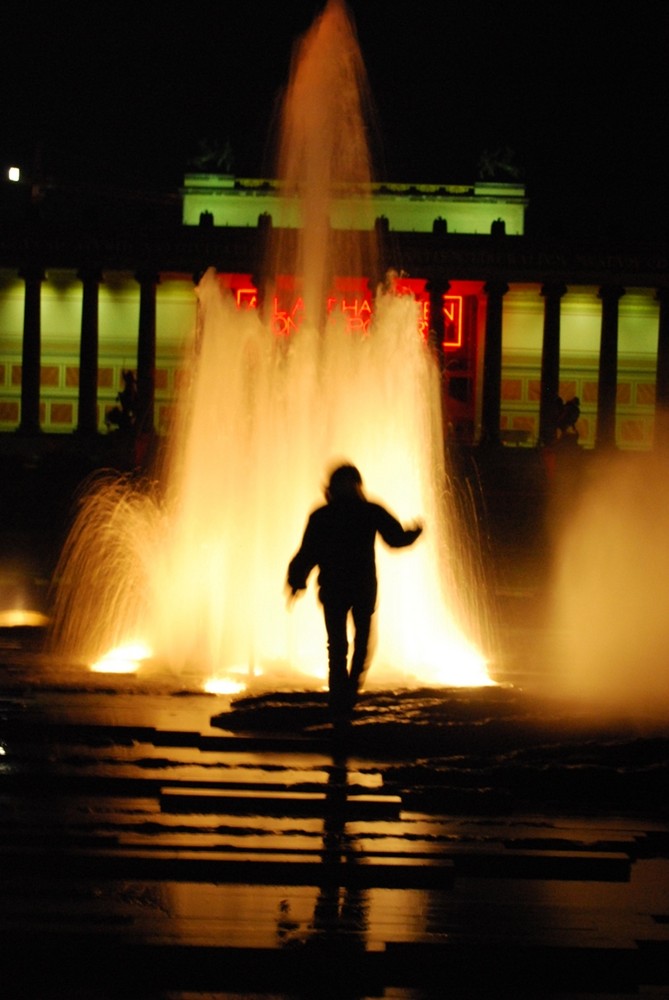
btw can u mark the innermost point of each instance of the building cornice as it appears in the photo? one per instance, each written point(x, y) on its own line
point(430, 255)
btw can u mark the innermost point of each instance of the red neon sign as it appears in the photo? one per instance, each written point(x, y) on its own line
point(246, 298)
point(286, 321)
point(452, 310)
point(351, 298)
point(357, 312)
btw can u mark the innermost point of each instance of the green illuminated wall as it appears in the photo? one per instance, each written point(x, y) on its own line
point(408, 208)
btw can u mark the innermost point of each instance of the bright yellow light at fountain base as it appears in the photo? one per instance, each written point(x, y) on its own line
point(468, 670)
point(123, 659)
point(18, 617)
point(224, 685)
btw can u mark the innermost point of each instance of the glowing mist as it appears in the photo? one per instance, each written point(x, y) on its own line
point(609, 627)
point(196, 570)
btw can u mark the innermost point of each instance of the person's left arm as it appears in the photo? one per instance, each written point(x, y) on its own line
point(304, 559)
point(393, 532)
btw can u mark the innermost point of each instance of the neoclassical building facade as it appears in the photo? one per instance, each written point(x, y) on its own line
point(516, 323)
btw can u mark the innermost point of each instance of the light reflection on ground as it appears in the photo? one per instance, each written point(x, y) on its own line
point(20, 617)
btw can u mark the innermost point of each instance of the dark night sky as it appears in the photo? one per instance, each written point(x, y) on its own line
point(122, 93)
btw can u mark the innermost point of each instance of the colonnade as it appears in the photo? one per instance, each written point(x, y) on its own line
point(87, 423)
point(552, 293)
point(494, 290)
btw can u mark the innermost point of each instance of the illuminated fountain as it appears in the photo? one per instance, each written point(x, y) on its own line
point(189, 575)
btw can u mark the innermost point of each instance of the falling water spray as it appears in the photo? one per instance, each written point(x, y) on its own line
point(194, 570)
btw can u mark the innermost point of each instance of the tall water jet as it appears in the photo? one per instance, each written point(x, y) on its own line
point(324, 150)
point(195, 568)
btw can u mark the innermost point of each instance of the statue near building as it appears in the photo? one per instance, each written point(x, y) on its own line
point(567, 416)
point(124, 415)
point(212, 157)
point(498, 165)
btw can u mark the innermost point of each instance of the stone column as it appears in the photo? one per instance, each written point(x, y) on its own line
point(146, 351)
point(662, 373)
point(492, 363)
point(87, 423)
point(32, 351)
point(437, 289)
point(550, 362)
point(608, 367)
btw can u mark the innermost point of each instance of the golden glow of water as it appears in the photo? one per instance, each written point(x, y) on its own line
point(22, 617)
point(197, 569)
point(609, 624)
point(226, 685)
point(125, 659)
point(198, 572)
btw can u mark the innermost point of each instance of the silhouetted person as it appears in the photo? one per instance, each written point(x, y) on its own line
point(339, 539)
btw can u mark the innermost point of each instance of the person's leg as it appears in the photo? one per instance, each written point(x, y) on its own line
point(336, 616)
point(363, 619)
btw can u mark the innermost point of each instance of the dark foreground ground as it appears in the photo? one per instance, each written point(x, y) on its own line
point(156, 842)
point(160, 843)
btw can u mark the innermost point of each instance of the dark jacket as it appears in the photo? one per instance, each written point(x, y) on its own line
point(339, 539)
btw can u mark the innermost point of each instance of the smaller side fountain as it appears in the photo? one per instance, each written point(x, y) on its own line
point(608, 631)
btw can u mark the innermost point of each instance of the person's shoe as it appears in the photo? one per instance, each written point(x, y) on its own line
point(352, 693)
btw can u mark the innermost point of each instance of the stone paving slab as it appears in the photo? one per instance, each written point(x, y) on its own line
point(275, 802)
point(225, 867)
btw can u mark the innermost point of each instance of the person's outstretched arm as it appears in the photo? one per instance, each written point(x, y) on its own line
point(395, 534)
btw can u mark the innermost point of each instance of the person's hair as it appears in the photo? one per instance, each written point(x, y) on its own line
point(345, 481)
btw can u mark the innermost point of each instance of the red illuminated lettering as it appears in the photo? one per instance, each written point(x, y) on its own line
point(452, 309)
point(286, 321)
point(352, 301)
point(247, 298)
point(356, 325)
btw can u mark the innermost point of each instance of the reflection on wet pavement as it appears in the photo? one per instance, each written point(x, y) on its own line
point(160, 843)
